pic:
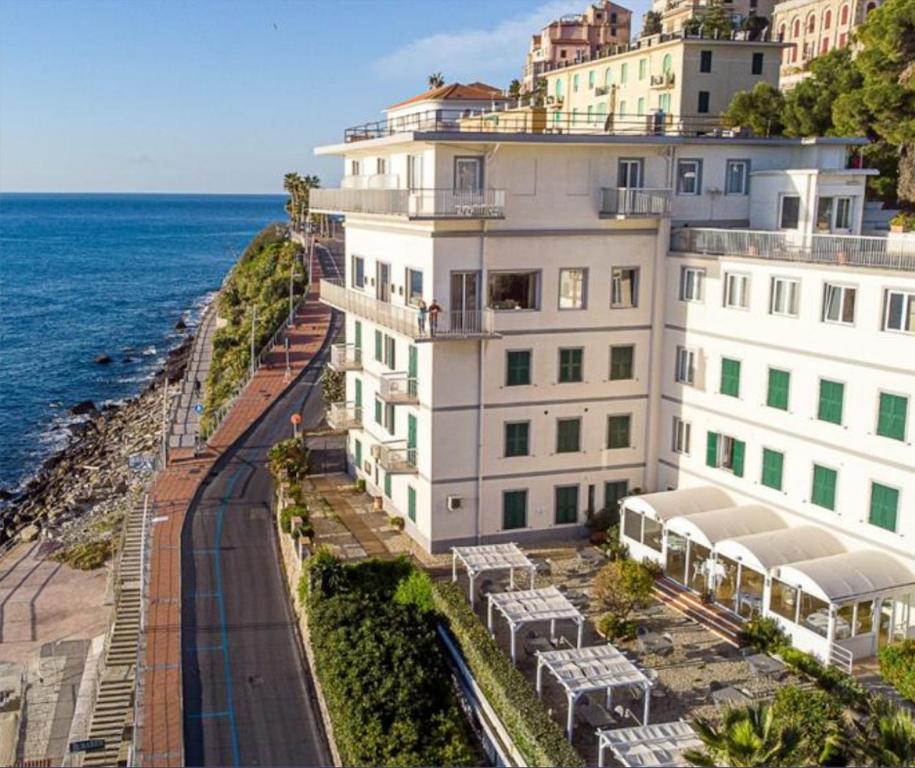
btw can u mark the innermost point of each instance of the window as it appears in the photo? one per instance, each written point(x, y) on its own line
point(572, 285)
point(621, 362)
point(624, 288)
point(379, 346)
point(575, 83)
point(686, 366)
point(468, 174)
point(891, 416)
point(730, 377)
point(884, 505)
point(619, 428)
point(591, 79)
point(566, 504)
point(414, 172)
point(389, 418)
point(756, 67)
point(614, 492)
point(824, 214)
point(387, 484)
point(517, 435)
point(785, 294)
point(725, 452)
point(692, 283)
point(640, 106)
point(379, 411)
point(705, 61)
point(358, 272)
point(790, 212)
point(667, 63)
point(680, 436)
point(736, 290)
point(414, 286)
point(823, 493)
point(702, 107)
point(689, 177)
point(355, 168)
point(357, 453)
point(622, 109)
point(737, 176)
point(843, 214)
point(624, 73)
point(900, 312)
point(514, 509)
point(575, 116)
point(843, 15)
point(381, 166)
point(513, 290)
point(643, 68)
point(517, 367)
point(570, 365)
point(608, 76)
point(664, 102)
point(411, 503)
point(389, 350)
point(779, 384)
point(832, 394)
point(568, 435)
point(773, 464)
point(838, 304)
point(827, 19)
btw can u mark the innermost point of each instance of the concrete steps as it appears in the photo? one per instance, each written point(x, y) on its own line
point(715, 619)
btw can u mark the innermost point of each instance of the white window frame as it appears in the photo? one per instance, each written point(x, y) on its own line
point(355, 167)
point(681, 436)
point(841, 290)
point(791, 281)
point(740, 278)
point(908, 299)
point(849, 204)
point(583, 289)
point(697, 176)
point(408, 290)
point(381, 166)
point(615, 287)
point(414, 172)
point(685, 366)
point(354, 260)
point(745, 178)
point(725, 449)
point(692, 291)
point(781, 212)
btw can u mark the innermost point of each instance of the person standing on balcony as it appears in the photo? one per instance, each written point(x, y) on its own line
point(421, 311)
point(434, 309)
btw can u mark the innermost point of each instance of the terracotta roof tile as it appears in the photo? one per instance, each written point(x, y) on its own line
point(455, 92)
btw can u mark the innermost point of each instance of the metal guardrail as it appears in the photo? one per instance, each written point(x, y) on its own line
point(841, 657)
point(398, 386)
point(342, 416)
point(345, 357)
point(627, 201)
point(838, 250)
point(412, 203)
point(396, 457)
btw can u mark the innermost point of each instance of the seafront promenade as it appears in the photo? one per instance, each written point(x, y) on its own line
point(160, 737)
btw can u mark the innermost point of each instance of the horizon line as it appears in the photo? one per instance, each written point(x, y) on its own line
point(135, 192)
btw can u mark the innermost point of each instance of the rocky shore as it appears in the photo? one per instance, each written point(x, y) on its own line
point(80, 494)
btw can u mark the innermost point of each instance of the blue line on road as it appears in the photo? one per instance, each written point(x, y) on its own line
point(206, 648)
point(205, 594)
point(208, 715)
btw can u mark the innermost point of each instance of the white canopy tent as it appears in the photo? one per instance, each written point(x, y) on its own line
point(714, 525)
point(685, 501)
point(662, 744)
point(767, 550)
point(533, 605)
point(849, 576)
point(597, 668)
point(490, 557)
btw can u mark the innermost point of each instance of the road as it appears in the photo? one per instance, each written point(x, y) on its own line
point(248, 692)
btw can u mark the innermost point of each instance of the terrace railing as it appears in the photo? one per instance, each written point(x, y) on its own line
point(343, 416)
point(345, 357)
point(398, 387)
point(850, 250)
point(396, 457)
point(626, 201)
point(414, 204)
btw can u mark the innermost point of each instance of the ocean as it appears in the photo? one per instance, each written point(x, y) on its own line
point(89, 275)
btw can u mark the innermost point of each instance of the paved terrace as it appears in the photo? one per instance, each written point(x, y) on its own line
point(162, 735)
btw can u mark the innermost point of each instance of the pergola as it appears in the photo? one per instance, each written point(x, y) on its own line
point(597, 668)
point(490, 557)
point(662, 744)
point(533, 605)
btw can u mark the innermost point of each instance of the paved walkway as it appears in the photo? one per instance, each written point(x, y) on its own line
point(162, 724)
point(185, 421)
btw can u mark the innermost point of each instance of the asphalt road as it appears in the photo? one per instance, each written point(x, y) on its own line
point(248, 692)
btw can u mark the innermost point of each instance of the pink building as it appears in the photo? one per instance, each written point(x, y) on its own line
point(576, 38)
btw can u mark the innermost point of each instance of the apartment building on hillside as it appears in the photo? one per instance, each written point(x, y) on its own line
point(662, 79)
point(690, 323)
point(676, 13)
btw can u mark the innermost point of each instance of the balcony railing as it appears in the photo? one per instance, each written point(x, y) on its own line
point(447, 326)
point(842, 250)
point(664, 80)
point(413, 204)
point(345, 357)
point(343, 416)
point(624, 202)
point(396, 458)
point(398, 387)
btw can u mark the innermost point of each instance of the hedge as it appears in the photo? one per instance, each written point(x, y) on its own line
point(538, 737)
point(897, 667)
point(841, 685)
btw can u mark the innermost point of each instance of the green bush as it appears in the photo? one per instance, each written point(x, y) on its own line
point(844, 687)
point(764, 634)
point(287, 461)
point(538, 737)
point(897, 667)
point(416, 590)
point(614, 628)
point(818, 719)
point(622, 586)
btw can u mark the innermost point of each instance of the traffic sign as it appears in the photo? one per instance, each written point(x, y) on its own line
point(198, 408)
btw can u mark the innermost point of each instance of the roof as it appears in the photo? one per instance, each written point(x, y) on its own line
point(729, 522)
point(685, 501)
point(534, 605)
point(661, 744)
point(595, 668)
point(848, 576)
point(455, 92)
point(770, 549)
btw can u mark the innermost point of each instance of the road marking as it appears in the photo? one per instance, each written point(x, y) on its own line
point(205, 648)
point(208, 715)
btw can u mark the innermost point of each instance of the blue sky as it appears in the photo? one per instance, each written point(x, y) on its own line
point(226, 95)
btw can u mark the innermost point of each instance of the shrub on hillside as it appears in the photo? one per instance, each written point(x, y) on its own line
point(897, 667)
point(763, 634)
point(622, 586)
point(819, 720)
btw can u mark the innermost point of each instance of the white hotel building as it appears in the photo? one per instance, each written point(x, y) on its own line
point(624, 315)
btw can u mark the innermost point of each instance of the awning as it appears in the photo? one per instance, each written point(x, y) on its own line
point(685, 501)
point(767, 550)
point(662, 744)
point(716, 525)
point(849, 576)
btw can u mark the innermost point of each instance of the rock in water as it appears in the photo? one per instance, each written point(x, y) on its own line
point(180, 325)
point(103, 359)
point(83, 407)
point(29, 533)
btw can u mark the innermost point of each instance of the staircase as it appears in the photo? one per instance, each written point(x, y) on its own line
point(717, 620)
point(876, 218)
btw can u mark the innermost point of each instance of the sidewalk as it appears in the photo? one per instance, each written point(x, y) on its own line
point(162, 734)
point(184, 423)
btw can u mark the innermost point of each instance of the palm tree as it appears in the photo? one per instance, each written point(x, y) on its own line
point(436, 80)
point(886, 736)
point(747, 737)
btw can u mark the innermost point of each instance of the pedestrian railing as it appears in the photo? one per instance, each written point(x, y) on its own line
point(344, 415)
point(412, 203)
point(398, 387)
point(396, 457)
point(345, 357)
point(627, 201)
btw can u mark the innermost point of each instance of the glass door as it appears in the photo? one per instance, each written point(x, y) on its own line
point(465, 301)
point(630, 173)
point(383, 281)
point(675, 566)
point(698, 566)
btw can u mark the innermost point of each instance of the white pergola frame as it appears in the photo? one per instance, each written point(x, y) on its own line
point(596, 668)
point(530, 606)
point(677, 736)
point(490, 557)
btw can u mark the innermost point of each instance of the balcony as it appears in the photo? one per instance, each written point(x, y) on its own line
point(398, 388)
point(344, 416)
point(395, 458)
point(416, 204)
point(627, 202)
point(663, 81)
point(449, 326)
point(836, 250)
point(345, 357)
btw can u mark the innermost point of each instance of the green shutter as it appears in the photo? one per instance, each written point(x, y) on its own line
point(621, 363)
point(618, 429)
point(517, 368)
point(779, 382)
point(570, 367)
point(730, 377)
point(773, 465)
point(411, 503)
point(387, 484)
point(566, 504)
point(884, 505)
point(831, 395)
point(737, 458)
point(514, 509)
point(892, 418)
point(358, 392)
point(357, 444)
point(568, 435)
point(378, 411)
point(614, 490)
point(711, 449)
point(357, 334)
point(379, 354)
point(516, 439)
point(824, 487)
